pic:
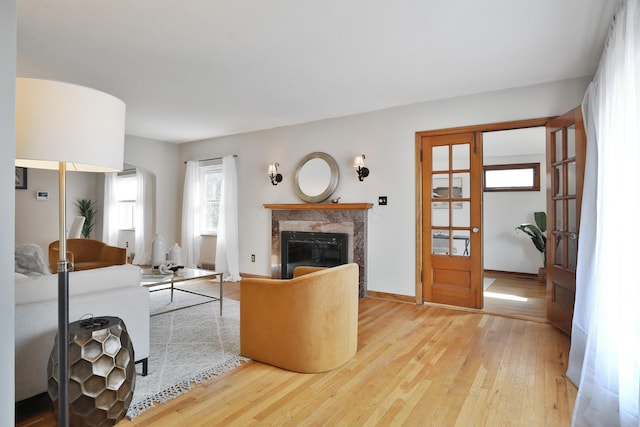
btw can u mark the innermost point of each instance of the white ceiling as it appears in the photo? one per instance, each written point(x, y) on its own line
point(196, 69)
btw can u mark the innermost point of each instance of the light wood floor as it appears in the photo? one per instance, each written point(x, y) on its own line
point(416, 365)
point(513, 295)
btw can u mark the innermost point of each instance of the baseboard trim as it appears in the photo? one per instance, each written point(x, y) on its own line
point(254, 276)
point(392, 297)
point(512, 273)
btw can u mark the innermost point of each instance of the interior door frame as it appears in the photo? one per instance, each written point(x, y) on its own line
point(489, 127)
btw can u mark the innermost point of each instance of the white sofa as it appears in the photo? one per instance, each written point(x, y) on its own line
point(110, 291)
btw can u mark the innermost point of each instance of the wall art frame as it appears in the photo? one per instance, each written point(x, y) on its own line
point(21, 178)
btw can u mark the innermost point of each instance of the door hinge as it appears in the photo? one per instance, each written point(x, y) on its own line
point(421, 155)
point(422, 276)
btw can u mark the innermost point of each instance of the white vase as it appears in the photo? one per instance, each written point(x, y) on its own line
point(175, 255)
point(158, 251)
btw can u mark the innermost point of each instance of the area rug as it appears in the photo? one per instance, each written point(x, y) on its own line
point(488, 281)
point(188, 347)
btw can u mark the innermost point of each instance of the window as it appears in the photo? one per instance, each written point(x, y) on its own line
point(126, 189)
point(513, 177)
point(210, 187)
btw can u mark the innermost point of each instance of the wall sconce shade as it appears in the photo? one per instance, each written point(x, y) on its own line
point(274, 176)
point(361, 169)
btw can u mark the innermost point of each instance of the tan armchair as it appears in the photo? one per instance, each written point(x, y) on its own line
point(306, 324)
point(85, 254)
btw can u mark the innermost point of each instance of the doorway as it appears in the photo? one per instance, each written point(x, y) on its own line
point(436, 277)
point(511, 261)
point(430, 278)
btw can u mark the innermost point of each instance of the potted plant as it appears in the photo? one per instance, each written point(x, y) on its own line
point(537, 234)
point(87, 209)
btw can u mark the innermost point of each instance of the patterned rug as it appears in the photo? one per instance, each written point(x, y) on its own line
point(188, 346)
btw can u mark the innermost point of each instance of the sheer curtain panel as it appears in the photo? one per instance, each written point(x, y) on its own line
point(605, 348)
point(143, 216)
point(227, 253)
point(190, 216)
point(110, 217)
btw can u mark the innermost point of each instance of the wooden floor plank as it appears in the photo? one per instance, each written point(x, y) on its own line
point(416, 365)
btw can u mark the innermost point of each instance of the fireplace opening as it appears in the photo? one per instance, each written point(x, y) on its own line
point(312, 249)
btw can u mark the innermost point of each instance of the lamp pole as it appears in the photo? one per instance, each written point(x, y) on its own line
point(63, 305)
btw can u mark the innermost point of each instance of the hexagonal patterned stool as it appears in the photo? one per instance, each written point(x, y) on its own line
point(101, 372)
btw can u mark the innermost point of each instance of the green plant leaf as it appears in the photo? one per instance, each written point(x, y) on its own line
point(87, 208)
point(541, 220)
point(537, 237)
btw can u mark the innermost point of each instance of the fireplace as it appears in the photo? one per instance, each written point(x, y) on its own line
point(339, 218)
point(312, 249)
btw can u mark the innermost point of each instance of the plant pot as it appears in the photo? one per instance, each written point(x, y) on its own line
point(542, 275)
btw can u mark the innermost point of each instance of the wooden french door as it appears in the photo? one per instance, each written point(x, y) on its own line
point(451, 237)
point(566, 151)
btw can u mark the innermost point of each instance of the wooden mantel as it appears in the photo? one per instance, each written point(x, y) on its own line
point(319, 206)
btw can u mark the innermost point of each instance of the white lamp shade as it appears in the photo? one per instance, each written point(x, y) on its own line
point(272, 170)
point(61, 122)
point(358, 162)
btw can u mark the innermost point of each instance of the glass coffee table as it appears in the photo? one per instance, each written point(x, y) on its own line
point(154, 279)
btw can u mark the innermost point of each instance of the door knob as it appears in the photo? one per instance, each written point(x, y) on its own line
point(573, 236)
point(475, 229)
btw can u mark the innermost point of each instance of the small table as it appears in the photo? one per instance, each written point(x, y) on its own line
point(102, 374)
point(153, 278)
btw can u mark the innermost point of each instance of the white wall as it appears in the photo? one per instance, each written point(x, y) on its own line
point(7, 212)
point(387, 138)
point(161, 159)
point(37, 220)
point(504, 248)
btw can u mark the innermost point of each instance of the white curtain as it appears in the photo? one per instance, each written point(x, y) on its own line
point(227, 254)
point(109, 220)
point(190, 216)
point(143, 217)
point(605, 343)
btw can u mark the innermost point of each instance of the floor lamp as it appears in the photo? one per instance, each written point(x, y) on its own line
point(67, 127)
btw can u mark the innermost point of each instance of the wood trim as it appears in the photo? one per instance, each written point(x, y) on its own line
point(319, 206)
point(419, 277)
point(391, 297)
point(511, 166)
point(512, 274)
point(487, 127)
point(516, 124)
point(254, 276)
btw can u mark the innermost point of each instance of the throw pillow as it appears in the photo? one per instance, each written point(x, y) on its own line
point(30, 260)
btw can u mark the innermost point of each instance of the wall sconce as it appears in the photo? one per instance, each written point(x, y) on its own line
point(274, 175)
point(361, 169)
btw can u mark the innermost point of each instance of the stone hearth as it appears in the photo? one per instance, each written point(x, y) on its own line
point(349, 218)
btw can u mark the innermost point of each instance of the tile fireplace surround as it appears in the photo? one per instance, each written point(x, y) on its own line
point(349, 218)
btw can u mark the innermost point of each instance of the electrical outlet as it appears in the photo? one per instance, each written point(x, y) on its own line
point(126, 245)
point(382, 200)
point(253, 257)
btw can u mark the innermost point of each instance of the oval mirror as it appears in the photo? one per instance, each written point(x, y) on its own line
point(316, 177)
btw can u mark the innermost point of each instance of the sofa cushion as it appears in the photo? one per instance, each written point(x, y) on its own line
point(88, 265)
point(80, 282)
